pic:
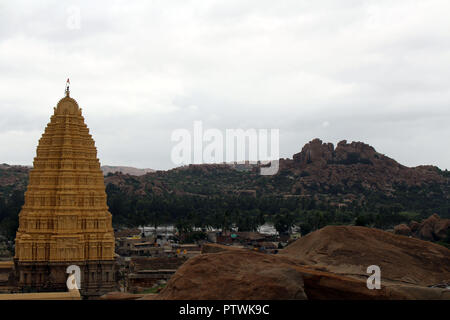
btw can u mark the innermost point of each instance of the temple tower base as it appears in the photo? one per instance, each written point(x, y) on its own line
point(97, 277)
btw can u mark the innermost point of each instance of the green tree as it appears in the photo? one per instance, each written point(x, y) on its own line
point(283, 221)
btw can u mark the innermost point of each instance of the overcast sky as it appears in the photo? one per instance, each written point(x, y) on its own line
point(371, 71)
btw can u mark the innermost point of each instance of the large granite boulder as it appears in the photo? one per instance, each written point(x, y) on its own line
point(402, 229)
point(349, 250)
point(433, 228)
point(236, 274)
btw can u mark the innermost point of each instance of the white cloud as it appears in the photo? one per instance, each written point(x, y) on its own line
point(376, 70)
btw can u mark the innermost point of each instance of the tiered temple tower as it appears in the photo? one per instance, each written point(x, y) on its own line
point(65, 220)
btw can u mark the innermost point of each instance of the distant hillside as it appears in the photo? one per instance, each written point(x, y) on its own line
point(350, 173)
point(341, 176)
point(126, 170)
point(350, 184)
point(358, 169)
point(13, 178)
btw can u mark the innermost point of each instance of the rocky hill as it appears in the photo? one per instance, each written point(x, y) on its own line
point(354, 165)
point(350, 173)
point(125, 170)
point(13, 178)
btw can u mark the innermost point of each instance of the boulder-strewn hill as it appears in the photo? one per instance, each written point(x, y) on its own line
point(13, 178)
point(125, 170)
point(353, 166)
point(349, 172)
point(432, 229)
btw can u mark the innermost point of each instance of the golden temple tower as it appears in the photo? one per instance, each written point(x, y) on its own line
point(65, 220)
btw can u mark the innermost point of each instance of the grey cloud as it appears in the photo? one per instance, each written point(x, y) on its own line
point(375, 71)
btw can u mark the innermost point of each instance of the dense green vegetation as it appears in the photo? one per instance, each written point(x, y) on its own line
point(203, 197)
point(9, 216)
point(247, 213)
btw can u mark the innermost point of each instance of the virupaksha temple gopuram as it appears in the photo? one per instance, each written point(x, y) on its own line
point(65, 219)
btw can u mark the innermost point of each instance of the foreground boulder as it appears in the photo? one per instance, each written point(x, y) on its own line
point(330, 263)
point(235, 274)
point(349, 250)
point(248, 275)
point(214, 248)
point(120, 296)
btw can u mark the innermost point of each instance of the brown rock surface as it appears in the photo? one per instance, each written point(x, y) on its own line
point(244, 274)
point(214, 248)
point(442, 228)
point(234, 274)
point(120, 296)
point(349, 250)
point(414, 226)
point(426, 228)
point(402, 229)
point(433, 228)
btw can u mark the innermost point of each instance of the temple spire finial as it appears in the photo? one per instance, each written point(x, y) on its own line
point(67, 87)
